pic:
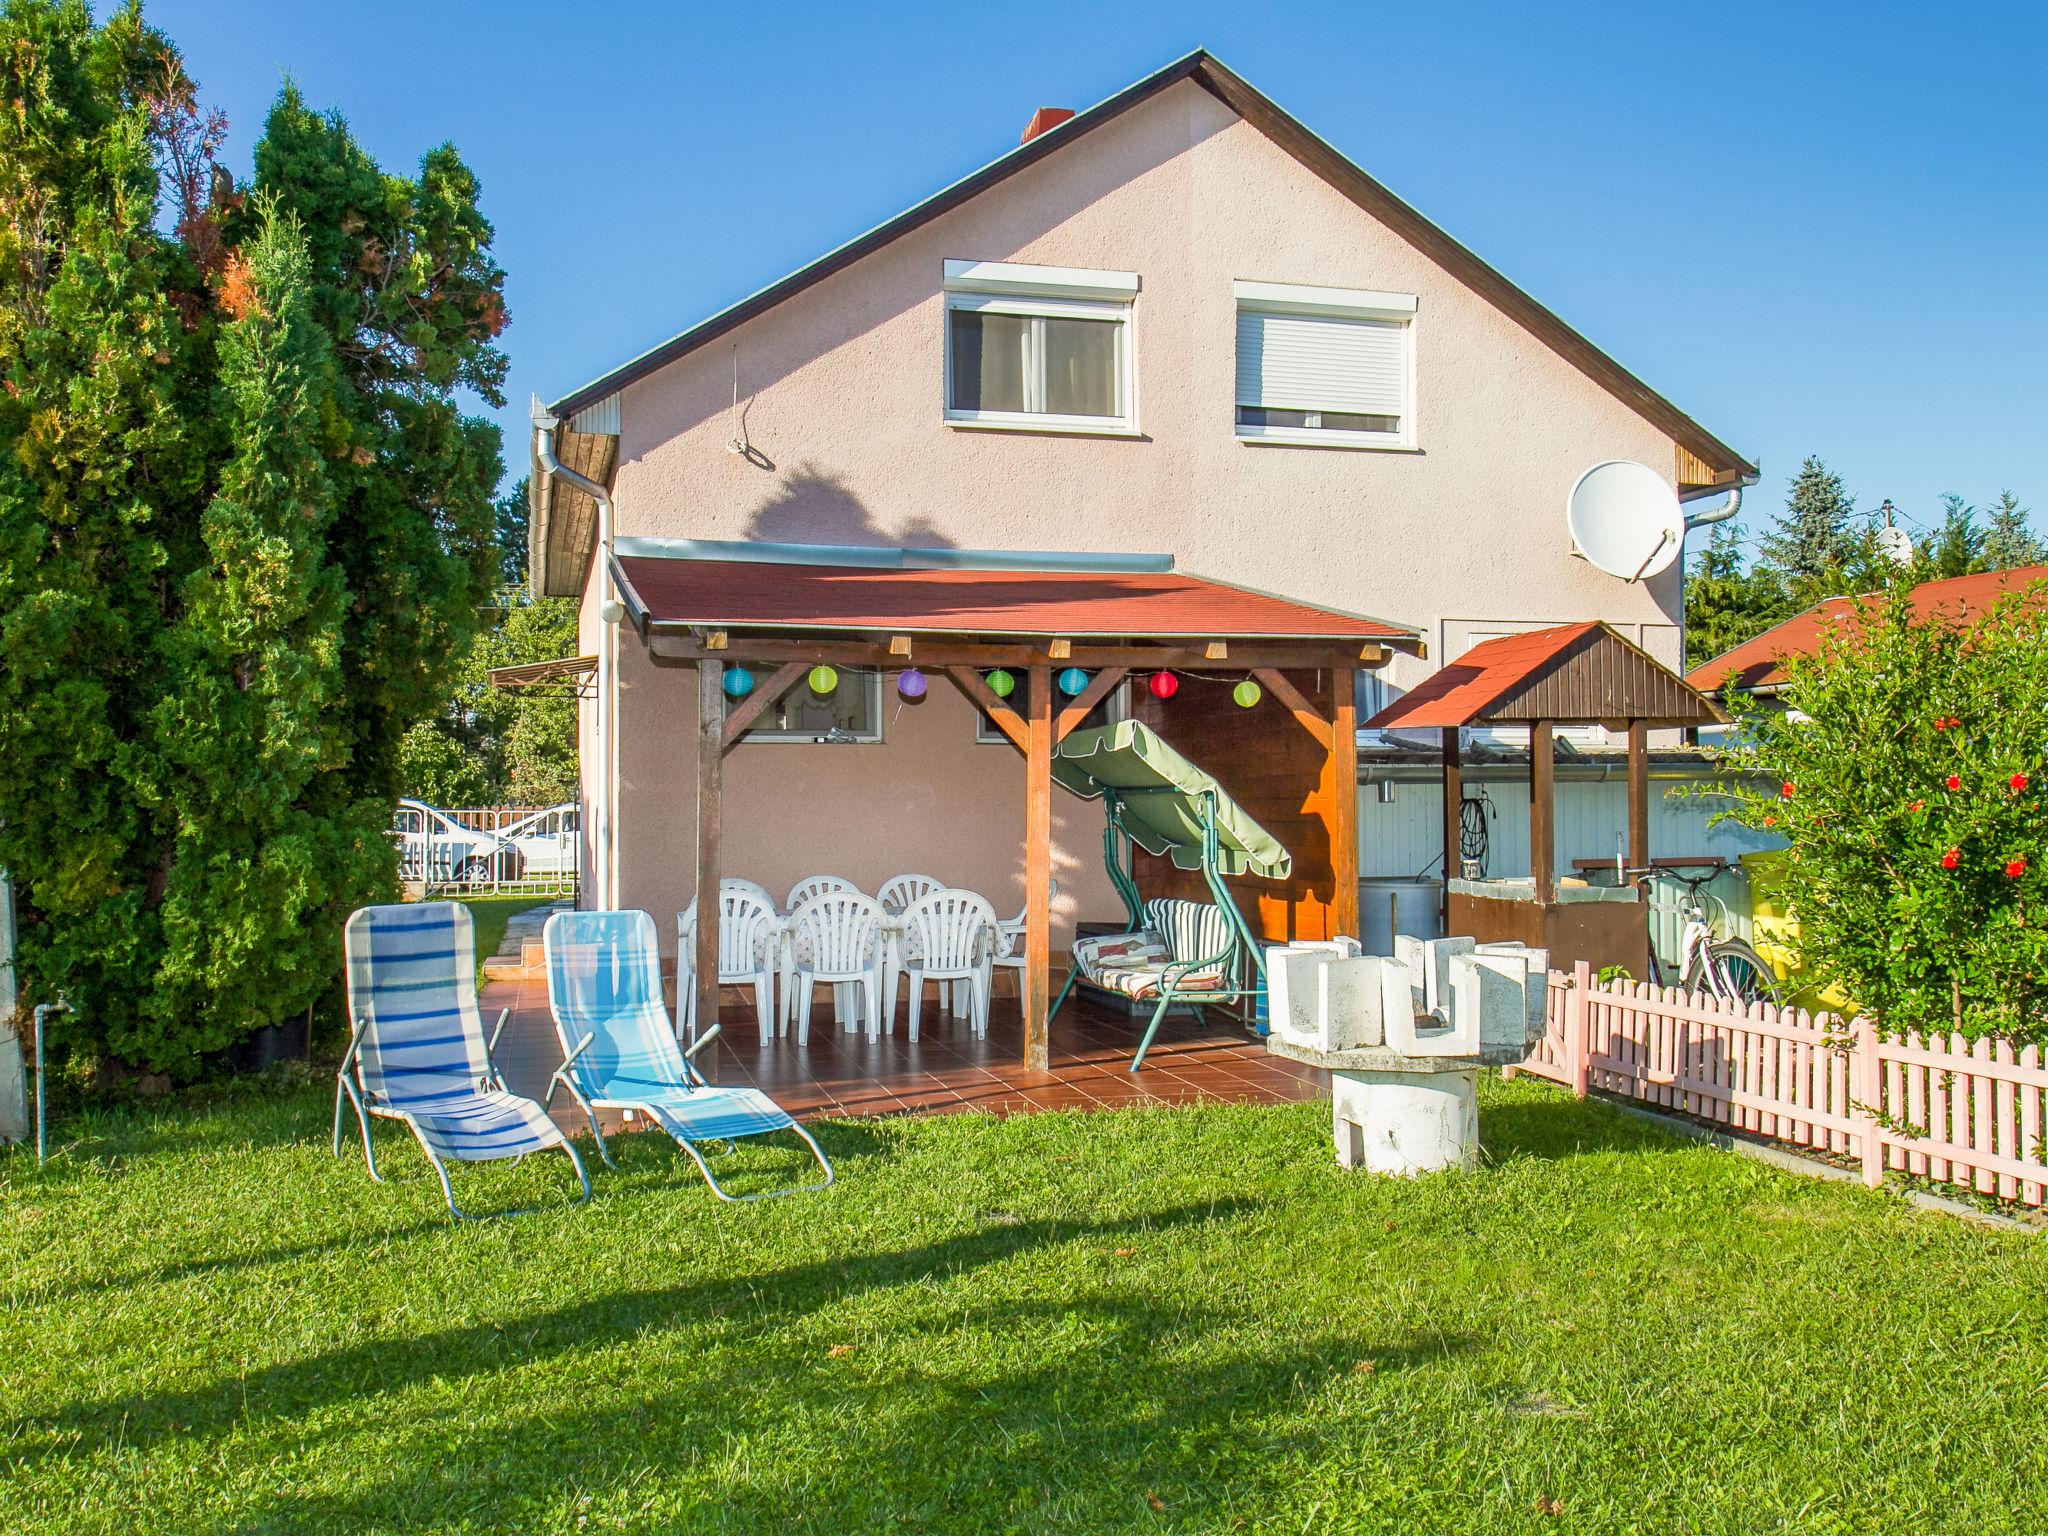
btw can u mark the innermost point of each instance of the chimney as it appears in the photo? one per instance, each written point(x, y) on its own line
point(1044, 118)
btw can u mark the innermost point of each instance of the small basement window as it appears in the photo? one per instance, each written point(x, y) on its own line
point(1043, 349)
point(852, 712)
point(1329, 367)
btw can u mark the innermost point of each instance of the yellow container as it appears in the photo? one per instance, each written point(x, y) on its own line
point(1775, 933)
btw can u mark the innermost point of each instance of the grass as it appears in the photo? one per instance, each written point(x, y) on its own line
point(1148, 1320)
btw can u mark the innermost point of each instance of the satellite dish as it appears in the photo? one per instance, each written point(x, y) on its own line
point(1625, 520)
point(1895, 544)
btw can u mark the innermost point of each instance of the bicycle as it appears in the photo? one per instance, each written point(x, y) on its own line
point(1729, 969)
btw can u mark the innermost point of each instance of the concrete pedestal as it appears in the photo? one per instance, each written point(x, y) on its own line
point(1405, 1122)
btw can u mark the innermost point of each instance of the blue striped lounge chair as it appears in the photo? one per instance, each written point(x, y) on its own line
point(619, 1049)
point(417, 1051)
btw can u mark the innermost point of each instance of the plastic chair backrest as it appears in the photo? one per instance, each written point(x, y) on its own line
point(841, 930)
point(412, 993)
point(747, 926)
point(949, 929)
point(899, 891)
point(814, 885)
point(604, 980)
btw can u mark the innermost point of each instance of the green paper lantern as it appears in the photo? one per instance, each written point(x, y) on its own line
point(823, 680)
point(1247, 693)
point(1000, 683)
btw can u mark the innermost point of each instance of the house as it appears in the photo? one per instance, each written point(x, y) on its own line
point(1757, 666)
point(1171, 373)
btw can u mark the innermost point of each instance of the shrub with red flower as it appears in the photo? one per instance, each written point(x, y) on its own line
point(1930, 910)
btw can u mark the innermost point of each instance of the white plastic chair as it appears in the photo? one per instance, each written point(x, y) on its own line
point(1010, 939)
point(839, 938)
point(749, 949)
point(896, 895)
point(801, 892)
point(948, 936)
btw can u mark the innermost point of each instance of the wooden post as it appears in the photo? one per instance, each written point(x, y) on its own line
point(1578, 1028)
point(1454, 806)
point(1543, 810)
point(1868, 1101)
point(1038, 872)
point(1638, 795)
point(1344, 804)
point(710, 768)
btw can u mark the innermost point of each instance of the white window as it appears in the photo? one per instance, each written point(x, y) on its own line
point(852, 712)
point(1334, 367)
point(1044, 349)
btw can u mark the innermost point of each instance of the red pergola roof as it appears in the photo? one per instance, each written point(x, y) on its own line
point(1755, 664)
point(667, 593)
point(1569, 673)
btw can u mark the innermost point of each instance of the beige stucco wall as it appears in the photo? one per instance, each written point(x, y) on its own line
point(845, 388)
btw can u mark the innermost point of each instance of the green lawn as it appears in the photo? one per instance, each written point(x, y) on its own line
point(1148, 1320)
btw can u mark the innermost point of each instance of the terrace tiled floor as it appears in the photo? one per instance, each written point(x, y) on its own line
point(845, 1075)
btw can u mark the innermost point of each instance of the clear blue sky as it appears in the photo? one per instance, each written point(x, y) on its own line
point(1817, 228)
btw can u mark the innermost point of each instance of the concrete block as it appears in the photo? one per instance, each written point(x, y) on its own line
point(1431, 1034)
point(1399, 1123)
point(1492, 990)
point(1357, 992)
point(1538, 995)
point(1298, 1007)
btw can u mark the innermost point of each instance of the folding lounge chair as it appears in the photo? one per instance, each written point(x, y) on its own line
point(417, 1052)
point(619, 1049)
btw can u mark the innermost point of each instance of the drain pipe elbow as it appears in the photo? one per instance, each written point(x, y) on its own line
point(1722, 513)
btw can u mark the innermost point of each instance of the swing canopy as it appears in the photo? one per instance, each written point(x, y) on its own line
point(1159, 795)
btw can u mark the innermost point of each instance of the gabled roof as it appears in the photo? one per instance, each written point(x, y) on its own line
point(1571, 674)
point(957, 592)
point(1721, 464)
point(1755, 666)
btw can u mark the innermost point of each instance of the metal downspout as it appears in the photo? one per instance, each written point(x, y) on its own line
point(604, 840)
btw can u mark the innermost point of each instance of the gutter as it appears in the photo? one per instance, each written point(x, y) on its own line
point(604, 830)
point(1727, 509)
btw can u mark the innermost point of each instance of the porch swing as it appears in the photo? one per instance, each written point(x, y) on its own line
point(1177, 951)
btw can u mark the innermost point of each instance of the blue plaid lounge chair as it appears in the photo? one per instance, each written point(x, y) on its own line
point(418, 1053)
point(619, 1049)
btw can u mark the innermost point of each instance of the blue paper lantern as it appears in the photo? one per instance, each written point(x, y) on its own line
point(739, 682)
point(1073, 681)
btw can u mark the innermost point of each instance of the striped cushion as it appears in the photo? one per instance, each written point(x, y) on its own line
point(1099, 955)
point(1140, 981)
point(482, 1126)
point(711, 1113)
point(1192, 930)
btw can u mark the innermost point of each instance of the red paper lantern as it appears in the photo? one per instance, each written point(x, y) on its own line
point(1164, 685)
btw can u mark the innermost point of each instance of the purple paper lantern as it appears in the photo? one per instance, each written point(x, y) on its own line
point(911, 683)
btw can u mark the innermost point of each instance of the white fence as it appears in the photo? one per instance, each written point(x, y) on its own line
point(488, 850)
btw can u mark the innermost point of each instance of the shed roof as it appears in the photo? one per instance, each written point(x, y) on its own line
point(948, 592)
point(1572, 673)
point(1756, 665)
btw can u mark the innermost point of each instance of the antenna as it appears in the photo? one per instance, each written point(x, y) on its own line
point(1625, 520)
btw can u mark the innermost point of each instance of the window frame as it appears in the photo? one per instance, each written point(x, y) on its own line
point(1043, 293)
point(1115, 707)
point(764, 731)
point(1316, 303)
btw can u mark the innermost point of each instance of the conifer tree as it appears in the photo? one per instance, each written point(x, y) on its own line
point(1811, 543)
point(2009, 541)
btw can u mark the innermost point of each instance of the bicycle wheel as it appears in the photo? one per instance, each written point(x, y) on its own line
point(1743, 973)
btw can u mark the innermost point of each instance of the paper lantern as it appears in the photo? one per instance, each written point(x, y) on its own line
point(1000, 683)
point(910, 683)
point(739, 682)
point(823, 680)
point(1247, 693)
point(1072, 681)
point(1164, 685)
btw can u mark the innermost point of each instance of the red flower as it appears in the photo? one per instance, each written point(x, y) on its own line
point(1941, 722)
point(2015, 868)
point(1952, 858)
point(1953, 782)
point(2018, 782)
point(1785, 790)
point(1917, 806)
point(1770, 821)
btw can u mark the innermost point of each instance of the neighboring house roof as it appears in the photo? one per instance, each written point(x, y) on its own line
point(957, 592)
point(1712, 463)
point(1755, 665)
point(1573, 673)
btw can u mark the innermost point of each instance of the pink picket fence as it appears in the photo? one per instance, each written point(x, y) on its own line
point(1937, 1108)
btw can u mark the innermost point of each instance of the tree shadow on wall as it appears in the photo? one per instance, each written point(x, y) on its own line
point(811, 506)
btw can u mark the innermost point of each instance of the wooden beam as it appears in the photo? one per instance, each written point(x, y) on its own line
point(1543, 810)
point(772, 650)
point(760, 701)
point(1454, 814)
point(1038, 874)
point(1343, 739)
point(715, 640)
point(899, 645)
point(1099, 688)
point(1311, 720)
point(1638, 795)
point(710, 770)
point(1060, 650)
point(1216, 650)
point(983, 697)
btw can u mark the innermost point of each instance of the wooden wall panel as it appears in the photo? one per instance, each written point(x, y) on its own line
point(1277, 772)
